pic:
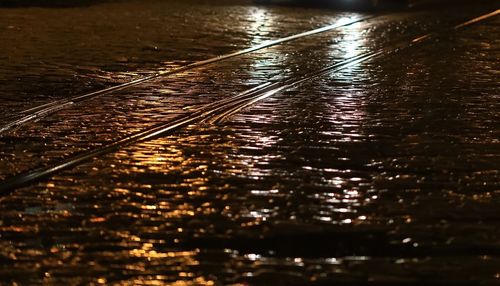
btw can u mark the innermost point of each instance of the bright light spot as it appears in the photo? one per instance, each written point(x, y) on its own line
point(347, 221)
point(253, 257)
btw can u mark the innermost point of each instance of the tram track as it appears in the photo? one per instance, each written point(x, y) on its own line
point(219, 111)
point(43, 110)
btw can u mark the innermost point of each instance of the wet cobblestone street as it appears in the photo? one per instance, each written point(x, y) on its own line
point(366, 153)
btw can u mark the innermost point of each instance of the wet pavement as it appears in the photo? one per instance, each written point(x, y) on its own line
point(356, 156)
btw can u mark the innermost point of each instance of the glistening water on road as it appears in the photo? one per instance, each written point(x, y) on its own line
point(366, 154)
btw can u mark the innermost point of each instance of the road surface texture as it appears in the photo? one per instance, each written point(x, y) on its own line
point(363, 152)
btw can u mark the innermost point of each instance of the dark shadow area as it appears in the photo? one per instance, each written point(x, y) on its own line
point(367, 5)
point(359, 5)
point(443, 4)
point(50, 3)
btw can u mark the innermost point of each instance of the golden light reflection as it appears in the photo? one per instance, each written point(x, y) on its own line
point(166, 163)
point(187, 279)
point(185, 258)
point(154, 158)
point(196, 281)
point(147, 251)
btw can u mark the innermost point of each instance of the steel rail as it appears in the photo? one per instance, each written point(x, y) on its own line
point(43, 110)
point(290, 83)
point(217, 111)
